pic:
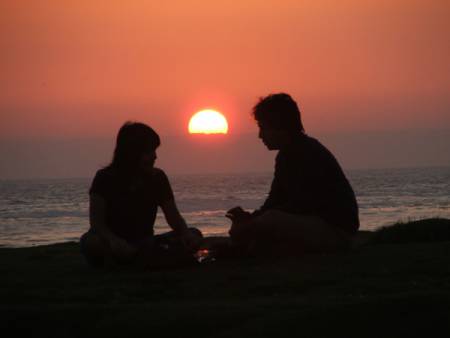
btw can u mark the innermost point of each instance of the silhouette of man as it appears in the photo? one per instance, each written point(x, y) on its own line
point(311, 206)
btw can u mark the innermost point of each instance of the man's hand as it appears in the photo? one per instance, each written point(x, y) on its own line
point(121, 249)
point(238, 215)
point(241, 223)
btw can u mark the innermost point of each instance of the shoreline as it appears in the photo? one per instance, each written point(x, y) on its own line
point(361, 237)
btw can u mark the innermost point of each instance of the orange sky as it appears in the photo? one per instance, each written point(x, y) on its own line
point(81, 68)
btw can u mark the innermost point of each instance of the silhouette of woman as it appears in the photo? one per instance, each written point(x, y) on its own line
point(124, 198)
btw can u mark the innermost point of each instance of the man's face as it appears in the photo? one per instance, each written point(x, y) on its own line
point(273, 139)
point(148, 161)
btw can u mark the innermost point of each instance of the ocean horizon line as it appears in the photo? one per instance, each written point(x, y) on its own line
point(196, 174)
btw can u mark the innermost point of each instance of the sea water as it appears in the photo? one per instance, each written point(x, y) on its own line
point(45, 211)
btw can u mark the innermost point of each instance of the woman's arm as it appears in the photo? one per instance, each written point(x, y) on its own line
point(178, 224)
point(173, 216)
point(97, 212)
point(97, 220)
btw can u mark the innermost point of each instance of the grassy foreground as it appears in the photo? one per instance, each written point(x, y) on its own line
point(384, 288)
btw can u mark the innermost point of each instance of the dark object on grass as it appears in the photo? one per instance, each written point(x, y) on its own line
point(427, 230)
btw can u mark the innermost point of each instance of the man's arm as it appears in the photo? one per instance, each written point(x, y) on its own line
point(272, 200)
point(275, 197)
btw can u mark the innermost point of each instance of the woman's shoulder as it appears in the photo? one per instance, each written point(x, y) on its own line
point(158, 173)
point(105, 173)
point(103, 180)
point(162, 185)
point(106, 176)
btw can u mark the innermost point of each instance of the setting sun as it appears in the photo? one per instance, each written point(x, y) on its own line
point(208, 121)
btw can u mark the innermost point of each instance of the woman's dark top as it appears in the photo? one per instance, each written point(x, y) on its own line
point(131, 202)
point(309, 181)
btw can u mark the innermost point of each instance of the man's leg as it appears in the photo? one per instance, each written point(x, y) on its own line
point(279, 233)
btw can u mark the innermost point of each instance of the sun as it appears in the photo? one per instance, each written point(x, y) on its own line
point(208, 121)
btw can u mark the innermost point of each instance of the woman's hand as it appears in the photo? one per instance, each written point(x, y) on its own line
point(190, 240)
point(121, 248)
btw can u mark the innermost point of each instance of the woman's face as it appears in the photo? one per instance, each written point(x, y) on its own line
point(147, 161)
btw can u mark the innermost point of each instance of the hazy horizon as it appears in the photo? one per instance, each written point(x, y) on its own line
point(203, 154)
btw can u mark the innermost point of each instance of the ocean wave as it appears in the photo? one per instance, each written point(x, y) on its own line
point(44, 214)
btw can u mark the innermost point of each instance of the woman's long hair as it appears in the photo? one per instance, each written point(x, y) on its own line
point(133, 140)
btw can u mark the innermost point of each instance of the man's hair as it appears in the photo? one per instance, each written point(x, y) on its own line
point(133, 140)
point(278, 111)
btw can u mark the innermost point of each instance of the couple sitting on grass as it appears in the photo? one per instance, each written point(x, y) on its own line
point(311, 206)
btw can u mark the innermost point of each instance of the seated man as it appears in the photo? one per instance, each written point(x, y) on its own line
point(311, 206)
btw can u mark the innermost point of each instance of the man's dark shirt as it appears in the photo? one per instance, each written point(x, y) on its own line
point(309, 181)
point(131, 203)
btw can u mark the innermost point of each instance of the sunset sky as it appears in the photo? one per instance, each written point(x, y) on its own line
point(79, 69)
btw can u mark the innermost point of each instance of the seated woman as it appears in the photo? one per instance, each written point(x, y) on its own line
point(124, 198)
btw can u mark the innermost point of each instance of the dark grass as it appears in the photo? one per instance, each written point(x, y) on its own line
point(426, 230)
point(384, 289)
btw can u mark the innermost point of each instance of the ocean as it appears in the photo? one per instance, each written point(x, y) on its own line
point(46, 211)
